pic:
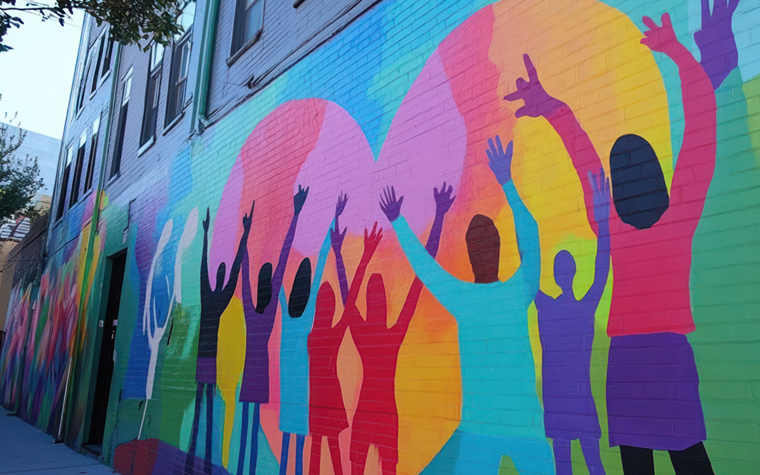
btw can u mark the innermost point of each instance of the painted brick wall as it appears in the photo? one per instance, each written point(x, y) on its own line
point(564, 281)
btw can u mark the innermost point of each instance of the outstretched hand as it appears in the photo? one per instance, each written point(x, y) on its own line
point(537, 101)
point(207, 221)
point(300, 198)
point(500, 160)
point(443, 199)
point(716, 41)
point(372, 240)
point(337, 237)
point(660, 38)
point(390, 205)
point(601, 186)
point(248, 218)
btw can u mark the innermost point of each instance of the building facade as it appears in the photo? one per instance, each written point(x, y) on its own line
point(485, 237)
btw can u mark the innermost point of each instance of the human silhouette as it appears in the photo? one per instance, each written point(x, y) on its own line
point(297, 320)
point(652, 379)
point(259, 321)
point(566, 328)
point(501, 413)
point(213, 304)
point(376, 418)
point(327, 413)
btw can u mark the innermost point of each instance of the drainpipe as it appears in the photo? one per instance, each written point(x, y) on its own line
point(208, 40)
point(93, 225)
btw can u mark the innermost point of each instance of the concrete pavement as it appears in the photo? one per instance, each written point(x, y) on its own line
point(25, 449)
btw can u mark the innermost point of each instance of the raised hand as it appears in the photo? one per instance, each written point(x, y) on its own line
point(342, 200)
point(336, 237)
point(660, 38)
point(443, 199)
point(372, 240)
point(390, 205)
point(207, 221)
point(716, 40)
point(248, 218)
point(601, 186)
point(500, 160)
point(300, 198)
point(537, 101)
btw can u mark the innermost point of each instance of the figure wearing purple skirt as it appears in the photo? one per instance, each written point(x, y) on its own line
point(566, 328)
point(259, 321)
point(213, 304)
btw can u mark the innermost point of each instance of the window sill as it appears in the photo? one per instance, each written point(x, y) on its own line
point(174, 122)
point(297, 3)
point(246, 46)
point(113, 179)
point(144, 148)
point(103, 78)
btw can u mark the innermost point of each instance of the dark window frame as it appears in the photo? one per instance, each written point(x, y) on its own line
point(126, 92)
point(241, 39)
point(62, 193)
point(177, 90)
point(89, 177)
point(152, 95)
point(77, 176)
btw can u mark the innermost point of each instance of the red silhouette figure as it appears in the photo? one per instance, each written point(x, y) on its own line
point(376, 419)
point(327, 413)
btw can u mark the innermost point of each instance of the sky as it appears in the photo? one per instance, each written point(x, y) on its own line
point(37, 73)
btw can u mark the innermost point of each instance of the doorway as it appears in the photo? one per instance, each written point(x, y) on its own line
point(105, 362)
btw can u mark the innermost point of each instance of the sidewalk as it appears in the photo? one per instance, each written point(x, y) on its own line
point(25, 449)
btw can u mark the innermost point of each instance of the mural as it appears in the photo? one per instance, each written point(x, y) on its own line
point(584, 180)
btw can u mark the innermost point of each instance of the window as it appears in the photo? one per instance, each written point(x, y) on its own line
point(126, 91)
point(107, 55)
point(64, 183)
point(96, 77)
point(93, 153)
point(77, 177)
point(248, 22)
point(83, 83)
point(180, 65)
point(152, 91)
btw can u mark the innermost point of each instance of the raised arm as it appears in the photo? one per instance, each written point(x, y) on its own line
point(248, 305)
point(696, 161)
point(526, 228)
point(371, 242)
point(229, 289)
point(602, 213)
point(279, 274)
point(205, 284)
point(443, 202)
point(311, 306)
point(446, 288)
point(538, 103)
point(336, 238)
point(717, 45)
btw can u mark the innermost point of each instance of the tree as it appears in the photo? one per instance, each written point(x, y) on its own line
point(131, 21)
point(19, 176)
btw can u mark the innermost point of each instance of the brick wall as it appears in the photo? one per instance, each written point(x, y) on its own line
point(579, 295)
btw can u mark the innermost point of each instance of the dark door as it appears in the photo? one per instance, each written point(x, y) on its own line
point(105, 364)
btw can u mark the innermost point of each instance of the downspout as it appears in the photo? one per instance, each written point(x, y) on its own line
point(93, 222)
point(208, 40)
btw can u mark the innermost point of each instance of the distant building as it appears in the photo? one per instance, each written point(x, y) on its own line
point(45, 148)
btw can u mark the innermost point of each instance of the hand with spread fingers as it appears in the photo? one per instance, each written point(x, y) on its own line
point(716, 41)
point(538, 102)
point(500, 160)
point(390, 205)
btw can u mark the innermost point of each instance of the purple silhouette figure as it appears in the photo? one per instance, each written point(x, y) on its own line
point(213, 304)
point(716, 41)
point(566, 328)
point(259, 321)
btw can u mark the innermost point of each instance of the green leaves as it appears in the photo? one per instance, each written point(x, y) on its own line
point(132, 21)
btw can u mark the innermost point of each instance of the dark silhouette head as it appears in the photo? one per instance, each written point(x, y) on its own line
point(564, 271)
point(377, 307)
point(638, 185)
point(299, 295)
point(220, 272)
point(325, 311)
point(264, 291)
point(483, 246)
